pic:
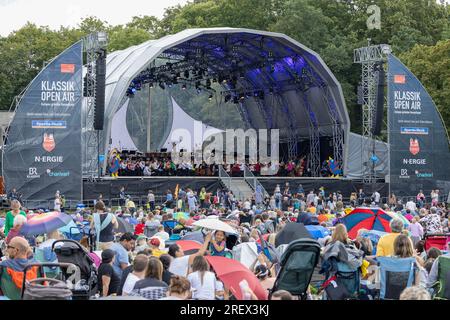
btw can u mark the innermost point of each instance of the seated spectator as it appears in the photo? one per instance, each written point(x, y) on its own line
point(151, 287)
point(140, 264)
point(415, 293)
point(179, 289)
point(385, 245)
point(282, 295)
point(108, 279)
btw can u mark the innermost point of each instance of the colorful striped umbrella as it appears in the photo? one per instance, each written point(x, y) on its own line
point(45, 223)
point(366, 218)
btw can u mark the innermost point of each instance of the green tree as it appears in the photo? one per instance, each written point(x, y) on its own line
point(431, 64)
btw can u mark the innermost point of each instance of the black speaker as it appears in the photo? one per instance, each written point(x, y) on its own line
point(100, 80)
point(377, 119)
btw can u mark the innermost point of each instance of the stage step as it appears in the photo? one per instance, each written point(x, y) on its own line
point(245, 191)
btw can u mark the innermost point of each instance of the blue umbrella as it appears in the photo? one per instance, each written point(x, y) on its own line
point(318, 232)
point(2, 222)
point(70, 227)
point(45, 223)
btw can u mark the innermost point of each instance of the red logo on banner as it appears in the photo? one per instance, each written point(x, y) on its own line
point(49, 142)
point(67, 68)
point(400, 78)
point(414, 147)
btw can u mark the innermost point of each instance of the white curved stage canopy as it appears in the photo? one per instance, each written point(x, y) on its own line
point(272, 80)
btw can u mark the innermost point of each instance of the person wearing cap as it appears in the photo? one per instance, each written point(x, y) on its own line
point(108, 279)
point(156, 244)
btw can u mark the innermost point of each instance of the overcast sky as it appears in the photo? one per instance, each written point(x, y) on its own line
point(54, 13)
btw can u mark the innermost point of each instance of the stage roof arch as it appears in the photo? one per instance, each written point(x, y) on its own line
point(309, 101)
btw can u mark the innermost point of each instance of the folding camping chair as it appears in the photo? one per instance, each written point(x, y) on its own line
point(396, 274)
point(437, 241)
point(442, 287)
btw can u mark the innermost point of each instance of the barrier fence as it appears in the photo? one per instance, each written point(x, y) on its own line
point(141, 201)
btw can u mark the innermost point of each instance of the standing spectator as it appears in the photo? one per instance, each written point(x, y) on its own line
point(151, 200)
point(57, 203)
point(169, 199)
point(416, 230)
point(420, 198)
point(431, 222)
point(392, 201)
point(411, 205)
point(10, 215)
point(108, 279)
point(434, 197)
point(361, 197)
point(122, 197)
point(376, 197)
point(14, 195)
point(104, 224)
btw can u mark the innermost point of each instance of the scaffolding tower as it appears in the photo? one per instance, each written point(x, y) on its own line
point(92, 44)
point(369, 57)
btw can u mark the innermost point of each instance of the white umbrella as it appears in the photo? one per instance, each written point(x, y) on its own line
point(215, 224)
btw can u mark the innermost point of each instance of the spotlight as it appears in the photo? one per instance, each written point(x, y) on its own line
point(241, 96)
point(151, 85)
point(199, 90)
point(178, 75)
point(183, 87)
point(162, 86)
point(241, 75)
point(210, 97)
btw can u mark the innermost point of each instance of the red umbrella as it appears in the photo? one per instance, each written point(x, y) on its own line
point(187, 245)
point(232, 272)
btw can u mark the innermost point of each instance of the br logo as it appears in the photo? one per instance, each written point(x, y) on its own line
point(49, 142)
point(414, 147)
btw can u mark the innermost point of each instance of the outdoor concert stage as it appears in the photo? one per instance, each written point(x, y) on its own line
point(186, 91)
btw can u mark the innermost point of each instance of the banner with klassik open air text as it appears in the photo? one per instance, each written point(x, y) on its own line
point(42, 152)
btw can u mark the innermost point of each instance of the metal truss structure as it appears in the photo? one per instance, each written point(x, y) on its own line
point(91, 137)
point(369, 57)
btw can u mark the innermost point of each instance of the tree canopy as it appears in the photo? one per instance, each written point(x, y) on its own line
point(417, 30)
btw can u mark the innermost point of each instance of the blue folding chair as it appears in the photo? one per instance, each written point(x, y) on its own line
point(396, 274)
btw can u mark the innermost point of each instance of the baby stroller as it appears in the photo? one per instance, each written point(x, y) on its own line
point(72, 252)
point(437, 240)
point(297, 266)
point(46, 288)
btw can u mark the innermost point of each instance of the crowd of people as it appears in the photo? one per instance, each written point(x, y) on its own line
point(147, 263)
point(162, 165)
